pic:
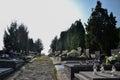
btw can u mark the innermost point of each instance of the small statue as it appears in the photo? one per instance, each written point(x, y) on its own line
point(102, 68)
point(94, 69)
point(113, 70)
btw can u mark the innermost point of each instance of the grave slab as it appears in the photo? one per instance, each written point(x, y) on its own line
point(99, 76)
point(5, 72)
point(15, 64)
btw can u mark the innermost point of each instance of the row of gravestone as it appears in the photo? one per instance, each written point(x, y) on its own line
point(97, 53)
point(85, 54)
point(75, 67)
point(7, 67)
point(13, 63)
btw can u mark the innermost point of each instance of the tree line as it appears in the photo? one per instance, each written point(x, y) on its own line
point(100, 33)
point(70, 39)
point(16, 39)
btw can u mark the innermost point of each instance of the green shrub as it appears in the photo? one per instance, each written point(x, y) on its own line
point(42, 58)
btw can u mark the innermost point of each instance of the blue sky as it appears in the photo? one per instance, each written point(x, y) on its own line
point(85, 6)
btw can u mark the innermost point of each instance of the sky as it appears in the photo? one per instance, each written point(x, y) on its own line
point(46, 19)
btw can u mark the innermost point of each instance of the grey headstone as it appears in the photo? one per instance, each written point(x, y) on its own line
point(97, 55)
point(87, 53)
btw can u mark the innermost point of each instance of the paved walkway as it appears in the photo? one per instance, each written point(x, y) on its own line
point(61, 75)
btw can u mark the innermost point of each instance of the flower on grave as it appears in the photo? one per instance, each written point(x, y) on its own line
point(93, 62)
point(87, 62)
point(112, 59)
point(80, 62)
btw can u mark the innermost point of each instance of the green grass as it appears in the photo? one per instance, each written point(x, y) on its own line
point(47, 59)
point(42, 58)
point(54, 72)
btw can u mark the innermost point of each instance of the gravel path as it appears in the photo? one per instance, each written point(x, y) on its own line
point(40, 70)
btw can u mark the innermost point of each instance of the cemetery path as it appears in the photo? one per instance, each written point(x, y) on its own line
point(61, 75)
point(40, 69)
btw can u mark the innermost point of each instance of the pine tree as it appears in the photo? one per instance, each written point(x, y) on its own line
point(10, 37)
point(70, 39)
point(22, 38)
point(39, 45)
point(101, 30)
point(16, 38)
point(53, 45)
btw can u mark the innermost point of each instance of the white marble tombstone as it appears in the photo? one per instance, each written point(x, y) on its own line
point(97, 55)
point(87, 53)
point(79, 50)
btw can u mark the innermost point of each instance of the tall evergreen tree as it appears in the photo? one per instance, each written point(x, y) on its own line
point(10, 37)
point(70, 39)
point(118, 32)
point(38, 46)
point(80, 35)
point(53, 45)
point(22, 37)
point(15, 38)
point(101, 30)
point(30, 44)
point(76, 36)
point(63, 39)
point(59, 45)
